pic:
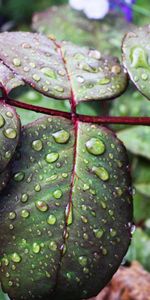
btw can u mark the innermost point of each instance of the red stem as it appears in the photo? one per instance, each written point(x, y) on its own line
point(82, 118)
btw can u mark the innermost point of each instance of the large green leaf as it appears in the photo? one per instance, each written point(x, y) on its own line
point(65, 218)
point(47, 66)
point(136, 140)
point(136, 57)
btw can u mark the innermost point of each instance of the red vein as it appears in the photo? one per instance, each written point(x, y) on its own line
point(115, 120)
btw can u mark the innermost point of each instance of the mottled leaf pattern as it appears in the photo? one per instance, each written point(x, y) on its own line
point(62, 71)
point(64, 212)
point(136, 56)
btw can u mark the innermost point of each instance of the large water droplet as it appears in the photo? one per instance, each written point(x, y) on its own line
point(95, 146)
point(19, 176)
point(10, 133)
point(37, 145)
point(51, 157)
point(12, 215)
point(57, 194)
point(61, 136)
point(101, 172)
point(25, 213)
point(139, 58)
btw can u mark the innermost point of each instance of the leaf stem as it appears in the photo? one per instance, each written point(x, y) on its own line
point(83, 118)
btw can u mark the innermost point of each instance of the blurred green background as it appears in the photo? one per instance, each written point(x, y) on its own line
point(105, 35)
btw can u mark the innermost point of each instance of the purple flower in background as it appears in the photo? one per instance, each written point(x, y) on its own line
point(98, 9)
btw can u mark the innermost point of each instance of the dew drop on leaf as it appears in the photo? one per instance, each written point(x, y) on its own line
point(95, 146)
point(61, 137)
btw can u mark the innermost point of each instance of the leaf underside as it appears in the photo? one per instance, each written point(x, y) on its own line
point(136, 58)
point(65, 211)
point(60, 70)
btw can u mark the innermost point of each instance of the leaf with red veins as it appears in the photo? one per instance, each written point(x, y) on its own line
point(37, 61)
point(62, 70)
point(8, 80)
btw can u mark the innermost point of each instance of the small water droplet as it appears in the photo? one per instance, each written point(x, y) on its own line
point(37, 187)
point(104, 81)
point(51, 157)
point(95, 54)
point(83, 260)
point(98, 233)
point(49, 72)
point(19, 176)
point(144, 76)
point(37, 145)
point(10, 133)
point(80, 79)
point(36, 248)
point(116, 69)
point(24, 198)
point(36, 77)
point(95, 146)
point(57, 194)
point(101, 172)
point(84, 219)
point(16, 257)
point(53, 246)
point(41, 205)
point(61, 136)
point(25, 213)
point(17, 62)
point(51, 220)
point(12, 215)
point(113, 232)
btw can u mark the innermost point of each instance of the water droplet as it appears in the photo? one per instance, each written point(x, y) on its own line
point(113, 232)
point(10, 133)
point(83, 260)
point(139, 58)
point(80, 79)
point(52, 157)
point(12, 215)
point(9, 114)
point(61, 136)
point(84, 219)
point(25, 213)
point(17, 62)
point(49, 72)
point(19, 176)
point(95, 146)
point(57, 194)
point(104, 81)
point(144, 76)
point(95, 54)
point(41, 205)
point(53, 246)
point(37, 187)
point(36, 77)
point(37, 145)
point(85, 187)
point(8, 154)
point(101, 172)
point(24, 198)
point(98, 233)
point(5, 261)
point(116, 69)
point(16, 257)
point(36, 248)
point(51, 220)
point(2, 121)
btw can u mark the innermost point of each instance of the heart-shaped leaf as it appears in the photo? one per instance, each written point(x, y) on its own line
point(65, 211)
point(9, 134)
point(62, 71)
point(136, 58)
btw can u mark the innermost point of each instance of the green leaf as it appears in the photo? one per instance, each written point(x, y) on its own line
point(9, 134)
point(140, 248)
point(136, 55)
point(62, 71)
point(66, 215)
point(70, 25)
point(136, 140)
point(8, 80)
